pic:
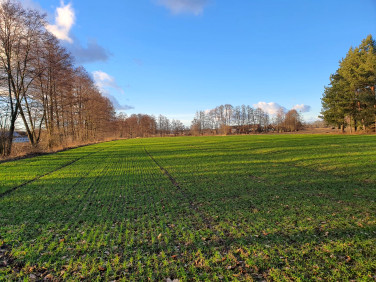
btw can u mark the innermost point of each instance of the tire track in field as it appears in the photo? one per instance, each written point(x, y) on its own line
point(82, 178)
point(43, 175)
point(207, 220)
point(76, 210)
point(6, 258)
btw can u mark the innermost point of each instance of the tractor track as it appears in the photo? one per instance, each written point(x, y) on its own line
point(208, 221)
point(2, 195)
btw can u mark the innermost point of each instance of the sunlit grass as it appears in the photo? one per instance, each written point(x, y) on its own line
point(284, 207)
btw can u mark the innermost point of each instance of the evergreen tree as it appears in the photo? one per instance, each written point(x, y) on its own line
point(350, 97)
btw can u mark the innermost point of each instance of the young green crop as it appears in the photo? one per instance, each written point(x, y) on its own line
point(286, 207)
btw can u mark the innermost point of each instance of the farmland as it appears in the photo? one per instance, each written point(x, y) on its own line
point(284, 207)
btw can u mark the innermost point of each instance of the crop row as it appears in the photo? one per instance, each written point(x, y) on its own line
point(13, 174)
point(273, 196)
point(214, 208)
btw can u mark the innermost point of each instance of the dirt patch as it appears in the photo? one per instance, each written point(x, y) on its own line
point(5, 258)
point(7, 261)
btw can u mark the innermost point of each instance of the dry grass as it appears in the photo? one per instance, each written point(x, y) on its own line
point(328, 130)
point(25, 150)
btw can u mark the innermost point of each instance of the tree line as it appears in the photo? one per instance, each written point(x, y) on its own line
point(224, 119)
point(227, 119)
point(42, 91)
point(143, 125)
point(41, 87)
point(350, 99)
point(58, 103)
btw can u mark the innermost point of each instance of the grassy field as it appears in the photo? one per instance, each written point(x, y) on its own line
point(286, 207)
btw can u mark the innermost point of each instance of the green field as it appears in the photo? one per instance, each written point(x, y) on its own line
point(282, 207)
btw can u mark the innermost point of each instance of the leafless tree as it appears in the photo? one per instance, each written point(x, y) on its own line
point(40, 85)
point(279, 120)
point(293, 121)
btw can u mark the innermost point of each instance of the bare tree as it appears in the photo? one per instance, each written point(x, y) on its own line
point(226, 119)
point(279, 120)
point(293, 121)
point(10, 33)
point(40, 85)
point(21, 33)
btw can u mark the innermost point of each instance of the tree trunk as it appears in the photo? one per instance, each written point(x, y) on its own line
point(350, 124)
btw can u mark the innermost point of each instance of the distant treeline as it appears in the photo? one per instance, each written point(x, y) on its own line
point(350, 99)
point(142, 125)
point(227, 119)
point(41, 87)
point(58, 104)
point(224, 119)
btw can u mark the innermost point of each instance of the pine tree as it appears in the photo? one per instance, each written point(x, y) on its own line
point(350, 97)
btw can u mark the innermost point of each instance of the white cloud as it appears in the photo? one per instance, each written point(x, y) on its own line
point(64, 20)
point(105, 83)
point(271, 108)
point(195, 7)
point(302, 108)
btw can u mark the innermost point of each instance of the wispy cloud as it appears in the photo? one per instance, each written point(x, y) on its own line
point(195, 7)
point(106, 83)
point(271, 108)
point(29, 4)
point(64, 20)
point(116, 103)
point(91, 53)
point(302, 108)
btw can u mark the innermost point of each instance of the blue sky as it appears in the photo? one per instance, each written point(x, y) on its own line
point(174, 57)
